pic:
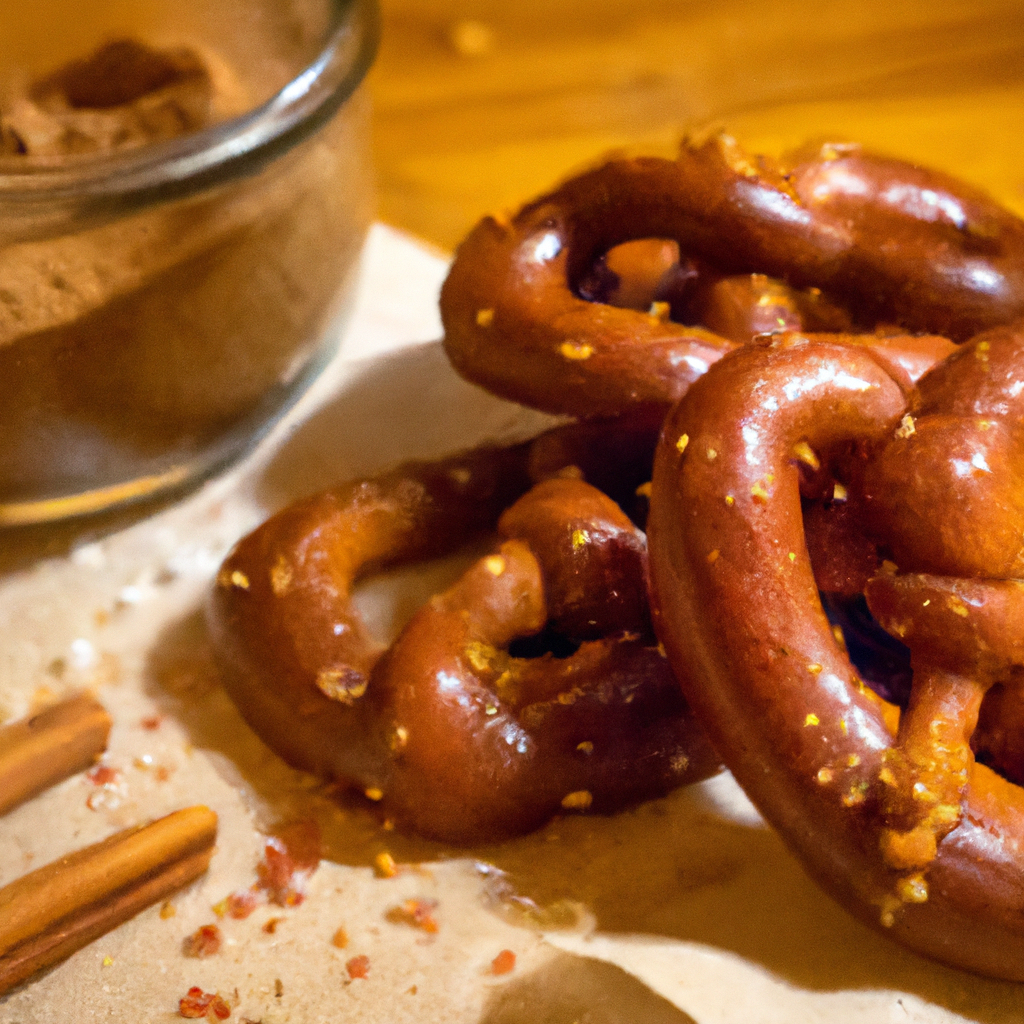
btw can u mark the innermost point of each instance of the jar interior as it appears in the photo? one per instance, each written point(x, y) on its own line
point(267, 42)
point(143, 349)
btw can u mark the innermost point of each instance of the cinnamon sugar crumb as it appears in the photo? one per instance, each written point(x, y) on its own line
point(385, 865)
point(906, 428)
point(576, 351)
point(416, 912)
point(579, 800)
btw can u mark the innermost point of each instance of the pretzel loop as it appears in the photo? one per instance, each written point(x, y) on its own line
point(450, 730)
point(890, 813)
point(890, 244)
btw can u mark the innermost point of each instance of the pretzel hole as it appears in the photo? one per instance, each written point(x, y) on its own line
point(640, 274)
point(652, 276)
point(843, 559)
point(548, 642)
point(881, 660)
point(998, 740)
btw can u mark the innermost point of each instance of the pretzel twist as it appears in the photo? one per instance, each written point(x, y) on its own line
point(891, 813)
point(455, 735)
point(894, 243)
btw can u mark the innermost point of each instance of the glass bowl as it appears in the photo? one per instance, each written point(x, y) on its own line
point(183, 201)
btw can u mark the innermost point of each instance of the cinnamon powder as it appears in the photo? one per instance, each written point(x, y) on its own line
point(145, 341)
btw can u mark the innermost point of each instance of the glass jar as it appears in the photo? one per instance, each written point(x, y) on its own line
point(184, 192)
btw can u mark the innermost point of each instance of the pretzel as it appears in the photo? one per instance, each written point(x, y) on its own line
point(891, 243)
point(449, 730)
point(890, 812)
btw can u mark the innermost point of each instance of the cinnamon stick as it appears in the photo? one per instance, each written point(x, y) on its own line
point(47, 915)
point(41, 750)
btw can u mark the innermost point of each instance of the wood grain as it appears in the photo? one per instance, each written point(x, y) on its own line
point(481, 104)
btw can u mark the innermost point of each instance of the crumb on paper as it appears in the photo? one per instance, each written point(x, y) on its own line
point(416, 912)
point(203, 942)
point(289, 859)
point(504, 962)
point(358, 967)
point(198, 1004)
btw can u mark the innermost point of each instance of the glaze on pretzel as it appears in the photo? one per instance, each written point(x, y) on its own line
point(456, 736)
point(890, 812)
point(893, 243)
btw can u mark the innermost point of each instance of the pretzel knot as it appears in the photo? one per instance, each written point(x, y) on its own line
point(454, 730)
point(889, 809)
point(833, 240)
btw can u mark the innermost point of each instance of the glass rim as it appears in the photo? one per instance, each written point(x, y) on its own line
point(243, 145)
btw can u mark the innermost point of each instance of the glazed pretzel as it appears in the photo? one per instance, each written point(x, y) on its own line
point(455, 735)
point(891, 813)
point(894, 243)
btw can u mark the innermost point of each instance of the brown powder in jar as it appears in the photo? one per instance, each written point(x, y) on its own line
point(125, 94)
point(134, 344)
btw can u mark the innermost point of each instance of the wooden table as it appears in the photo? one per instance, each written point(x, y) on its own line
point(481, 104)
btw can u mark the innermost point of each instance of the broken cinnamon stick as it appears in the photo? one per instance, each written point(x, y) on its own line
point(39, 751)
point(47, 915)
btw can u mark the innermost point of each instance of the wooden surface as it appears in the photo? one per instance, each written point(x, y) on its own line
point(481, 104)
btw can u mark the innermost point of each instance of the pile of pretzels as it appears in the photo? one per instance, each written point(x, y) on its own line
point(785, 531)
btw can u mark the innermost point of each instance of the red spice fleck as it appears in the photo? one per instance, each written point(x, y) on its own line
point(340, 938)
point(203, 942)
point(162, 773)
point(290, 856)
point(108, 791)
point(103, 775)
point(240, 905)
point(271, 926)
point(358, 967)
point(504, 962)
point(198, 1004)
point(152, 722)
point(418, 913)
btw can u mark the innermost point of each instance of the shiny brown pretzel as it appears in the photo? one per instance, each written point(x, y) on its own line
point(454, 734)
point(889, 811)
point(894, 244)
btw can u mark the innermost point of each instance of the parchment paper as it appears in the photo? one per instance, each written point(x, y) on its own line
point(681, 909)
